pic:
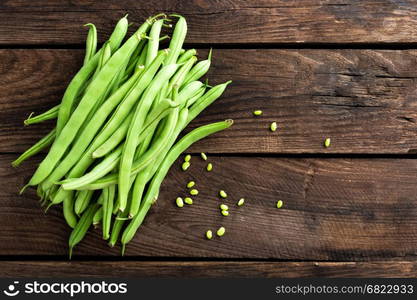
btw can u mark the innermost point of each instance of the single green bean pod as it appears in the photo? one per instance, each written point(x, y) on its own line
point(198, 70)
point(177, 40)
point(91, 42)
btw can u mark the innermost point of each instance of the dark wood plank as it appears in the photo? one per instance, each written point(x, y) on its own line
point(334, 209)
point(235, 21)
point(198, 269)
point(363, 99)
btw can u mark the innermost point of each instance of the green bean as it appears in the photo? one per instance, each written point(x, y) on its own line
point(198, 70)
point(132, 64)
point(108, 202)
point(179, 77)
point(153, 189)
point(96, 89)
point(153, 45)
point(89, 131)
point(98, 216)
point(48, 115)
point(154, 151)
point(60, 195)
point(130, 144)
point(91, 44)
point(177, 40)
point(82, 200)
point(197, 95)
point(39, 146)
point(82, 226)
point(117, 227)
point(68, 210)
point(207, 99)
point(106, 166)
point(186, 56)
point(77, 83)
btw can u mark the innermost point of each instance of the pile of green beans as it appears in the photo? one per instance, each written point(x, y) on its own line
point(117, 128)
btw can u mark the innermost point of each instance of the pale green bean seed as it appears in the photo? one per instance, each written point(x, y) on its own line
point(223, 194)
point(203, 156)
point(241, 202)
point(187, 157)
point(273, 126)
point(185, 165)
point(209, 234)
point(194, 192)
point(190, 184)
point(224, 207)
point(327, 142)
point(179, 202)
point(280, 203)
point(221, 231)
point(188, 200)
point(257, 112)
point(225, 213)
point(209, 167)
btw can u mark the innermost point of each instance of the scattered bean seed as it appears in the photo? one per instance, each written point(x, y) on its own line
point(190, 184)
point(257, 112)
point(188, 200)
point(209, 167)
point(327, 142)
point(203, 156)
point(273, 126)
point(209, 234)
point(194, 192)
point(280, 203)
point(224, 207)
point(179, 202)
point(241, 202)
point(185, 165)
point(221, 231)
point(223, 194)
point(187, 157)
point(225, 213)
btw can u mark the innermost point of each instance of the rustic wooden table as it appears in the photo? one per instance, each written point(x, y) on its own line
point(334, 68)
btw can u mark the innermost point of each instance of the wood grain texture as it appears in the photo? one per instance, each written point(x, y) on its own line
point(200, 269)
point(365, 100)
point(232, 21)
point(334, 209)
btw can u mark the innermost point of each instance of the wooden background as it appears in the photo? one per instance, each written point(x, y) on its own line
point(334, 68)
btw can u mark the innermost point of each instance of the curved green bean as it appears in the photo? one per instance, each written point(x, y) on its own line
point(43, 143)
point(108, 202)
point(68, 210)
point(91, 43)
point(153, 190)
point(198, 70)
point(98, 216)
point(177, 40)
point(186, 56)
point(153, 44)
point(130, 144)
point(82, 226)
point(82, 200)
point(47, 115)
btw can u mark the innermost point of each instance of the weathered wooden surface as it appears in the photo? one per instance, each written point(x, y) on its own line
point(365, 100)
point(335, 209)
point(235, 21)
point(201, 269)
